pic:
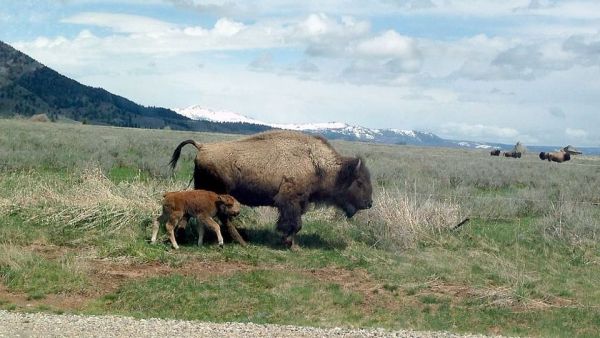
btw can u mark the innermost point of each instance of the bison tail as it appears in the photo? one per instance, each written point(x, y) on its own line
point(177, 151)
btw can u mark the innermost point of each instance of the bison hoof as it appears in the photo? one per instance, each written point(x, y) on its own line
point(290, 244)
point(221, 246)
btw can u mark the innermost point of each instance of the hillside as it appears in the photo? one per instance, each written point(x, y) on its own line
point(27, 87)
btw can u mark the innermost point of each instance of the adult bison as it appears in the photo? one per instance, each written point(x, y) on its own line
point(513, 154)
point(284, 169)
point(556, 156)
point(495, 152)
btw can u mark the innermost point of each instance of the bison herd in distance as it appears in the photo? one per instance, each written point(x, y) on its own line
point(555, 156)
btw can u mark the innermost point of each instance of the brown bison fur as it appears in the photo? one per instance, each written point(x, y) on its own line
point(495, 152)
point(556, 156)
point(178, 207)
point(513, 154)
point(284, 169)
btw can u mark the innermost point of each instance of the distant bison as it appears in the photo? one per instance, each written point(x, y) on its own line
point(284, 169)
point(495, 152)
point(513, 154)
point(556, 156)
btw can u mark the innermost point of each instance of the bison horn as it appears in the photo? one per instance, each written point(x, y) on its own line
point(358, 165)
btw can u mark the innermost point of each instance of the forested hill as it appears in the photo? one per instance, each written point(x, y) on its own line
point(27, 87)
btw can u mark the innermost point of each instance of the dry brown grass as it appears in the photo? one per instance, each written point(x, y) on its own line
point(39, 118)
point(89, 202)
point(400, 220)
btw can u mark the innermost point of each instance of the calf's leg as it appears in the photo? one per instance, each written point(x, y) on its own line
point(215, 227)
point(155, 226)
point(171, 225)
point(200, 229)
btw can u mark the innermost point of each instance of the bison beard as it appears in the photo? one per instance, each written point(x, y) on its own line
point(284, 169)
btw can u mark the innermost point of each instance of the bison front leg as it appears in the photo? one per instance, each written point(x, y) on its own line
point(289, 223)
point(235, 235)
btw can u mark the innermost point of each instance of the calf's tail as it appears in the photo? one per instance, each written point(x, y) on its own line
point(177, 151)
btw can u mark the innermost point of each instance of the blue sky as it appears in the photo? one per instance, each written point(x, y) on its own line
point(504, 71)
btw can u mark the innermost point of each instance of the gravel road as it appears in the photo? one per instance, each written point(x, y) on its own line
point(15, 324)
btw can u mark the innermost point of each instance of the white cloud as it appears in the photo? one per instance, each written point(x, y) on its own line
point(575, 9)
point(389, 44)
point(557, 112)
point(227, 27)
point(320, 25)
point(519, 59)
point(121, 23)
point(263, 62)
point(576, 133)
point(479, 131)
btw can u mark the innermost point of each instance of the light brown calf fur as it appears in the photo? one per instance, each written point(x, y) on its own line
point(178, 207)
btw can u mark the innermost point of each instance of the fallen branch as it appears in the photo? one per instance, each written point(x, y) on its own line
point(460, 224)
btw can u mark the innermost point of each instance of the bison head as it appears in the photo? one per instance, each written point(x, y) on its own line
point(354, 190)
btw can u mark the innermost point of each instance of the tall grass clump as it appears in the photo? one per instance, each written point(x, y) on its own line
point(576, 223)
point(87, 202)
point(399, 221)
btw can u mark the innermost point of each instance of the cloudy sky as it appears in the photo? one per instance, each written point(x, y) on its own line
point(490, 70)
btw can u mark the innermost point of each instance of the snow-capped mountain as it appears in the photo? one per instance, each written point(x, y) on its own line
point(331, 130)
point(200, 113)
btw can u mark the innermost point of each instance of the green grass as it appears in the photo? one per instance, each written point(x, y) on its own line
point(37, 276)
point(260, 296)
point(526, 264)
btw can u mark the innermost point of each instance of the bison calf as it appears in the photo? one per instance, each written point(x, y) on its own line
point(178, 207)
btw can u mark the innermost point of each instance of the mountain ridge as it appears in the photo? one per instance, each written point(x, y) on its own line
point(343, 131)
point(27, 87)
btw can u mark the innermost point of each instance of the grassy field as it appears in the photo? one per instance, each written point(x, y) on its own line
point(76, 202)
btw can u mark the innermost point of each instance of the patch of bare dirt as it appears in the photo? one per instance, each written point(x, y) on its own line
point(496, 296)
point(63, 302)
point(108, 275)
